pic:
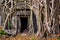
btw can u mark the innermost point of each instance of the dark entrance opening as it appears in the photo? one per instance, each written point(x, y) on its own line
point(59, 28)
point(24, 22)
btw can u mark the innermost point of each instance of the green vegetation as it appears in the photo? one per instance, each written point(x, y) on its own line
point(2, 32)
point(32, 38)
point(10, 25)
point(58, 38)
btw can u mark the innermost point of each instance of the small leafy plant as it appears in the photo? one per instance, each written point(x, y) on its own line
point(10, 25)
point(2, 32)
point(58, 38)
point(32, 38)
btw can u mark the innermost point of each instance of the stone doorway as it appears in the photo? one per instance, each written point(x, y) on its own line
point(24, 24)
point(59, 28)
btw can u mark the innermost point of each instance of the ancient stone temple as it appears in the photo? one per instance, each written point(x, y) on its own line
point(20, 19)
